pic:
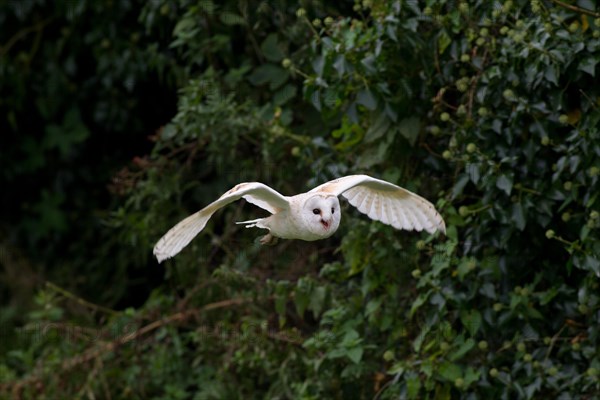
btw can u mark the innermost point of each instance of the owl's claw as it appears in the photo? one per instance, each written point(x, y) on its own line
point(268, 240)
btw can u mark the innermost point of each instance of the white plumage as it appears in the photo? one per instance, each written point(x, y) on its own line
point(313, 215)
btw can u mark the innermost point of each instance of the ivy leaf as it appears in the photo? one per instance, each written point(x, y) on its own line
point(268, 73)
point(284, 94)
point(505, 183)
point(413, 385)
point(592, 264)
point(460, 185)
point(377, 128)
point(471, 320)
point(341, 65)
point(317, 300)
point(443, 42)
point(589, 65)
point(366, 98)
point(355, 354)
point(462, 350)
point(518, 216)
point(410, 128)
point(270, 49)
point(449, 371)
point(229, 18)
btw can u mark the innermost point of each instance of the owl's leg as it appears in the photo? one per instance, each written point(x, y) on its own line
point(268, 240)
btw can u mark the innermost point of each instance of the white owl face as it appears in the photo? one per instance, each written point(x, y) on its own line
point(322, 214)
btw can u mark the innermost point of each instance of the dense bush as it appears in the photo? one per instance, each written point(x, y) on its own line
point(488, 109)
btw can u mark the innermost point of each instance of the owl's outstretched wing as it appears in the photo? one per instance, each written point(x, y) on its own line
point(386, 202)
point(181, 234)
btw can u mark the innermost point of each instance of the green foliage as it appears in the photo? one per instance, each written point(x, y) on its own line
point(490, 110)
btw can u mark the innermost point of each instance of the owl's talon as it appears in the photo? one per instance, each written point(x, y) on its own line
point(268, 240)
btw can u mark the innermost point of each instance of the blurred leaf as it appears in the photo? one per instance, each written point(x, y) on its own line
point(271, 49)
point(410, 128)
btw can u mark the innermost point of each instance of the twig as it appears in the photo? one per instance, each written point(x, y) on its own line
point(577, 9)
point(79, 300)
point(98, 351)
point(21, 34)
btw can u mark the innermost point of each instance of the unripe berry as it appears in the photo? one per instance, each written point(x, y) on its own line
point(574, 27)
point(482, 111)
point(563, 119)
point(471, 148)
point(388, 355)
point(328, 21)
point(550, 233)
point(416, 273)
point(545, 140)
point(301, 12)
point(566, 216)
point(527, 357)
point(463, 211)
point(286, 63)
point(547, 340)
point(465, 58)
point(459, 382)
point(483, 345)
point(508, 94)
point(494, 372)
point(521, 347)
point(447, 154)
point(445, 116)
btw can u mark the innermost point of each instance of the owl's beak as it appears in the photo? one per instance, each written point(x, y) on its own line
point(326, 224)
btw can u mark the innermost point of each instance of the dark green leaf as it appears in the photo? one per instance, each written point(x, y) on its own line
point(410, 128)
point(366, 98)
point(271, 49)
point(505, 183)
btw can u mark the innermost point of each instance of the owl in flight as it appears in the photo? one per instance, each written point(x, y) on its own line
point(313, 215)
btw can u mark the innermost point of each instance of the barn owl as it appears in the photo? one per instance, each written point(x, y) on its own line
point(312, 215)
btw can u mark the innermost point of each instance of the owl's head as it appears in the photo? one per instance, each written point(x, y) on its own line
point(322, 214)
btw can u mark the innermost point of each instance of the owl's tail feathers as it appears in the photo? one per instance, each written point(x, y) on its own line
point(255, 223)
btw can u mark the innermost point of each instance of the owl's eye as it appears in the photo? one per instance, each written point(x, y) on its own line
point(316, 211)
point(332, 210)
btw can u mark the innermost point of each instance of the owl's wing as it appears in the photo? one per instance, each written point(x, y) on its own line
point(181, 234)
point(386, 202)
